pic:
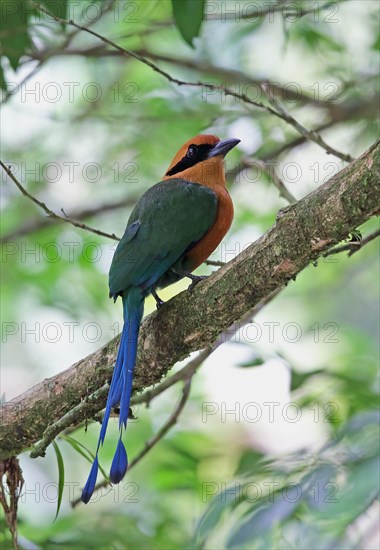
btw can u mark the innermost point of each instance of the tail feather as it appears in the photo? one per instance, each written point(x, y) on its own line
point(130, 350)
point(113, 393)
point(121, 388)
point(119, 463)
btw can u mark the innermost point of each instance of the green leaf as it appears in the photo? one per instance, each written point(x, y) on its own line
point(209, 520)
point(61, 476)
point(264, 519)
point(14, 36)
point(376, 44)
point(315, 37)
point(249, 462)
point(188, 16)
point(356, 493)
point(83, 451)
point(299, 378)
point(355, 236)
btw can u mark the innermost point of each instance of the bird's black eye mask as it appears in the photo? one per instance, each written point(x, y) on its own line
point(195, 154)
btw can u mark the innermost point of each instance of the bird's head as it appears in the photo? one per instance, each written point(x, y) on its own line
point(201, 160)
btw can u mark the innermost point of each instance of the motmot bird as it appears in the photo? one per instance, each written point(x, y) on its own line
point(172, 230)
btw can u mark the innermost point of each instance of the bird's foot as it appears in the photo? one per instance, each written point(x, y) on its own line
point(195, 279)
point(159, 302)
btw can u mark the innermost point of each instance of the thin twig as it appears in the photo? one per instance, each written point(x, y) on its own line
point(30, 75)
point(168, 424)
point(295, 142)
point(171, 421)
point(308, 134)
point(188, 370)
point(191, 367)
point(50, 213)
point(70, 418)
point(274, 153)
point(79, 411)
point(338, 115)
point(279, 184)
point(53, 51)
point(129, 53)
point(336, 110)
point(354, 246)
point(215, 263)
point(226, 74)
point(311, 135)
point(40, 223)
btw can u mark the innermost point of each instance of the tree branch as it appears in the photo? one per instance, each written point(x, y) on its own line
point(271, 173)
point(354, 246)
point(41, 223)
point(225, 74)
point(310, 135)
point(338, 109)
point(344, 112)
point(192, 321)
point(278, 112)
point(50, 212)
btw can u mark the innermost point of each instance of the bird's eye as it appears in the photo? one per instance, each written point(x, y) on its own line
point(191, 151)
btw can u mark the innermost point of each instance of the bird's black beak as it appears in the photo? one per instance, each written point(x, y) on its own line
point(222, 147)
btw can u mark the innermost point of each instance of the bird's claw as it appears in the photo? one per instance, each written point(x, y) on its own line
point(159, 302)
point(195, 279)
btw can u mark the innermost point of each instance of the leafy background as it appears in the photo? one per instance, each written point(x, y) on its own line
point(218, 480)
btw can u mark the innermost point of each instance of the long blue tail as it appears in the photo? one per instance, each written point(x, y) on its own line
point(120, 389)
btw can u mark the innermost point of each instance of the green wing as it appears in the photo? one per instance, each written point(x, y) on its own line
point(167, 220)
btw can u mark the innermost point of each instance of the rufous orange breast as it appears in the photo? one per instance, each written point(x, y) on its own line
point(210, 242)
